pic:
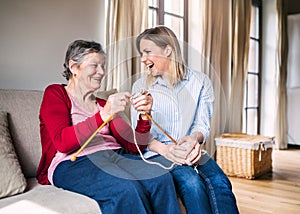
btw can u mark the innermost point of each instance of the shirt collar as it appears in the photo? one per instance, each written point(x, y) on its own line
point(160, 81)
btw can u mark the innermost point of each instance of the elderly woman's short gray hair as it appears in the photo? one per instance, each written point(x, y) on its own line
point(76, 52)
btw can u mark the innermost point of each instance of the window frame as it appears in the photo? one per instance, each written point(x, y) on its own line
point(257, 4)
point(160, 11)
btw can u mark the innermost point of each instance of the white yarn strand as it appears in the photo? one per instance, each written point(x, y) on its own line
point(147, 161)
point(136, 144)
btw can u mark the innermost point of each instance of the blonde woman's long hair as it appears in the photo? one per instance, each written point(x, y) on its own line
point(163, 36)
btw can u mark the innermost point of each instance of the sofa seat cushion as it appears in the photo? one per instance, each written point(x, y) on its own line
point(49, 199)
point(12, 180)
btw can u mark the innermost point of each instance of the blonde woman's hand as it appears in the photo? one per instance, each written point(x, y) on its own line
point(143, 104)
point(174, 153)
point(193, 148)
point(195, 155)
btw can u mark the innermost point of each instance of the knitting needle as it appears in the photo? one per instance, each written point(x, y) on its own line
point(169, 136)
point(73, 158)
point(145, 92)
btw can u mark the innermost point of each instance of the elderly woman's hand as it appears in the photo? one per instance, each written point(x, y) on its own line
point(114, 104)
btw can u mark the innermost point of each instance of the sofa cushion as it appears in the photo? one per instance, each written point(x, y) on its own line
point(48, 199)
point(23, 119)
point(12, 180)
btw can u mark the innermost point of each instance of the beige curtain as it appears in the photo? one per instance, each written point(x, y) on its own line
point(217, 52)
point(282, 55)
point(125, 20)
point(225, 48)
point(240, 51)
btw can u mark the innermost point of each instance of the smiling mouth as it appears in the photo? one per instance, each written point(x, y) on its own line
point(98, 79)
point(150, 65)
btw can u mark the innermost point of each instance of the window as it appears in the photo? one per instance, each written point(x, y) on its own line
point(172, 14)
point(251, 116)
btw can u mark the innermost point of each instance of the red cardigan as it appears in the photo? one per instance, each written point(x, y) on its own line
point(59, 134)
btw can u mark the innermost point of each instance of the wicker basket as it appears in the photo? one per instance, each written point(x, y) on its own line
point(242, 155)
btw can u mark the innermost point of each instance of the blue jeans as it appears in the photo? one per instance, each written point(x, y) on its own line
point(119, 183)
point(208, 192)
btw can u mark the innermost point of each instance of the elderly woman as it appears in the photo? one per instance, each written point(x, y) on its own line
point(70, 114)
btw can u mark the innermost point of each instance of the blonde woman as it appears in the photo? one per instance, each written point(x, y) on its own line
point(183, 106)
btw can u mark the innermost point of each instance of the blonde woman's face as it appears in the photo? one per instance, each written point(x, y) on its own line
point(154, 57)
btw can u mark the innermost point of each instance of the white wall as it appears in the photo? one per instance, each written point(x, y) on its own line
point(34, 35)
point(293, 80)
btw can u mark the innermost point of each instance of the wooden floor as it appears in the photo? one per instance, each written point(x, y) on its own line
point(276, 192)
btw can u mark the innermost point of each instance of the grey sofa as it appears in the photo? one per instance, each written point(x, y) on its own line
point(23, 111)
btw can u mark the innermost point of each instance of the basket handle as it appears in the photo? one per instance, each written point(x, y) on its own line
point(261, 149)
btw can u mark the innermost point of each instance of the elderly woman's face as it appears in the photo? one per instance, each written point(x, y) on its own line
point(91, 71)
